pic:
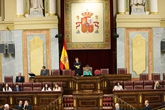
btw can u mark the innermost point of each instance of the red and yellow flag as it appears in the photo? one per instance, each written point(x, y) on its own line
point(64, 62)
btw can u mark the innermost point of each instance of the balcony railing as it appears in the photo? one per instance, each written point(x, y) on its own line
point(55, 105)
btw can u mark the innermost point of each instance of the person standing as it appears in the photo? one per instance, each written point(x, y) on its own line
point(44, 71)
point(147, 106)
point(77, 67)
point(19, 78)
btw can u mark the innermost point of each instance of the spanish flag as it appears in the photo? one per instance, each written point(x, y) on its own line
point(64, 62)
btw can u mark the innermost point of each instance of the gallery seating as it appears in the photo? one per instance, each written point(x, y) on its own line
point(104, 71)
point(67, 72)
point(163, 76)
point(122, 70)
point(148, 84)
point(138, 85)
point(128, 85)
point(97, 72)
point(27, 86)
point(144, 76)
point(73, 72)
point(1, 84)
point(37, 86)
point(55, 72)
point(8, 79)
point(155, 76)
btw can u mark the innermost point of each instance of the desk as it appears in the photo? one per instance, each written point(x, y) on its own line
point(70, 82)
point(36, 99)
point(137, 97)
point(88, 83)
point(88, 100)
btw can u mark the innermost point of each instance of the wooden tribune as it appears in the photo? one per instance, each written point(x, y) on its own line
point(75, 83)
point(137, 98)
point(37, 100)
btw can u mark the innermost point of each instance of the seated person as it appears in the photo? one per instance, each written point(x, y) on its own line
point(7, 88)
point(117, 107)
point(46, 88)
point(157, 85)
point(17, 88)
point(19, 106)
point(27, 106)
point(19, 78)
point(56, 87)
point(87, 71)
point(118, 86)
point(44, 71)
point(5, 107)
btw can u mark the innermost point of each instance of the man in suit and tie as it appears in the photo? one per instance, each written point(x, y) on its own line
point(147, 105)
point(19, 78)
point(19, 106)
point(44, 71)
point(17, 88)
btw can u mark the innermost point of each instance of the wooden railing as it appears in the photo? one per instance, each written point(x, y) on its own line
point(55, 105)
point(159, 108)
point(123, 104)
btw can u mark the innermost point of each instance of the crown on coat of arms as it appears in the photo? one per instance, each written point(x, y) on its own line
point(87, 14)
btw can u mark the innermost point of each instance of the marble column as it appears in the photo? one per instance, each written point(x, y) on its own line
point(121, 6)
point(153, 6)
point(20, 8)
point(52, 7)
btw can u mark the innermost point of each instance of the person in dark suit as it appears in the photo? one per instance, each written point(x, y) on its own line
point(19, 106)
point(19, 78)
point(77, 67)
point(17, 88)
point(27, 106)
point(117, 107)
point(147, 106)
point(44, 71)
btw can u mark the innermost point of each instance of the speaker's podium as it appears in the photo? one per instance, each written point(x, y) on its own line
point(87, 93)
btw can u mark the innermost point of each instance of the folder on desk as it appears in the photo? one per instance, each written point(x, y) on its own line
point(31, 74)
